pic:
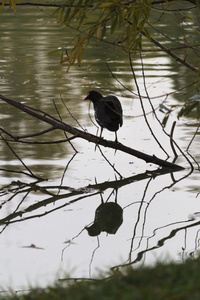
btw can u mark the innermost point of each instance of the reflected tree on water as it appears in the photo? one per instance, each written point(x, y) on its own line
point(55, 198)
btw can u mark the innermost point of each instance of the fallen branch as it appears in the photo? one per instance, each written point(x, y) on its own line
point(58, 124)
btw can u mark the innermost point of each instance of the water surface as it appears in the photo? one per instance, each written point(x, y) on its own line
point(43, 234)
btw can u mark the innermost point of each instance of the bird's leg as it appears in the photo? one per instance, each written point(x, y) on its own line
point(101, 198)
point(116, 195)
point(116, 140)
point(99, 137)
point(101, 132)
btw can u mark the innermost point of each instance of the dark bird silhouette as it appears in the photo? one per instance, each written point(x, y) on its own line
point(107, 111)
point(108, 218)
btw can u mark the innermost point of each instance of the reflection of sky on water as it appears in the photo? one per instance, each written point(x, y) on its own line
point(30, 74)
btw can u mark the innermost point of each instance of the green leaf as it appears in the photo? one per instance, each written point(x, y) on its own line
point(66, 15)
point(55, 12)
point(187, 109)
point(147, 34)
point(165, 119)
point(61, 14)
point(114, 25)
point(104, 30)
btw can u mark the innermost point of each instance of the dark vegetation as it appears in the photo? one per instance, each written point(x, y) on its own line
point(179, 281)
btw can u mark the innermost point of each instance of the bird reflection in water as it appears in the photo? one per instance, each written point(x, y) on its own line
point(108, 218)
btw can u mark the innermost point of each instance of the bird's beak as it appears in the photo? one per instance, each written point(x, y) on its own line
point(87, 97)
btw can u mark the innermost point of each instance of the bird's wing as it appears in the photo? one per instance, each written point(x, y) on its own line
point(113, 107)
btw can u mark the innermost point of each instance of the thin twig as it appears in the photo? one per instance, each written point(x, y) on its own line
point(71, 113)
point(108, 161)
point(65, 170)
point(17, 156)
point(18, 139)
point(35, 134)
point(20, 172)
point(172, 140)
point(152, 107)
point(44, 143)
point(143, 109)
point(64, 131)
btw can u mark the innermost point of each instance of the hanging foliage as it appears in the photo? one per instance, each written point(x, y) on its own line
point(100, 19)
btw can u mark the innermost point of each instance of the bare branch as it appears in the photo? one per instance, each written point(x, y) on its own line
point(57, 124)
point(172, 140)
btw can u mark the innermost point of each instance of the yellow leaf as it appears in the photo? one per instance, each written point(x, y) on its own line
point(73, 58)
point(63, 60)
point(99, 33)
point(13, 5)
point(80, 51)
point(2, 5)
point(106, 5)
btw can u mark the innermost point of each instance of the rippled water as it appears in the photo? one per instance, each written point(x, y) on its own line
point(42, 223)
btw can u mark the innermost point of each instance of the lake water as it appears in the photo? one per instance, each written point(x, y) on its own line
point(43, 235)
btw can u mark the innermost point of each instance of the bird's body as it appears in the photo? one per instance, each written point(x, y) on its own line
point(107, 111)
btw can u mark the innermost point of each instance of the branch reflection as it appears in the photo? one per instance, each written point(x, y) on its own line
point(36, 200)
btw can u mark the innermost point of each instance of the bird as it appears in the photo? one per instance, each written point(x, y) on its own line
point(107, 111)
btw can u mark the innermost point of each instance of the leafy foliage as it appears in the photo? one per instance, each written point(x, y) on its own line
point(103, 18)
point(12, 4)
point(189, 106)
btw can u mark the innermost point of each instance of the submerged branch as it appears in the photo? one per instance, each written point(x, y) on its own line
point(58, 124)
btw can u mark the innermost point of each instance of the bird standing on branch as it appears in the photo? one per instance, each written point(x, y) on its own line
point(107, 111)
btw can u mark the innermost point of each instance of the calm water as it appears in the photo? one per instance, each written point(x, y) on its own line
point(42, 223)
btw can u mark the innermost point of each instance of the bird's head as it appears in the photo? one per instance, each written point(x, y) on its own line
point(93, 96)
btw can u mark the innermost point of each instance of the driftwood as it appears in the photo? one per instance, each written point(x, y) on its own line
point(77, 133)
